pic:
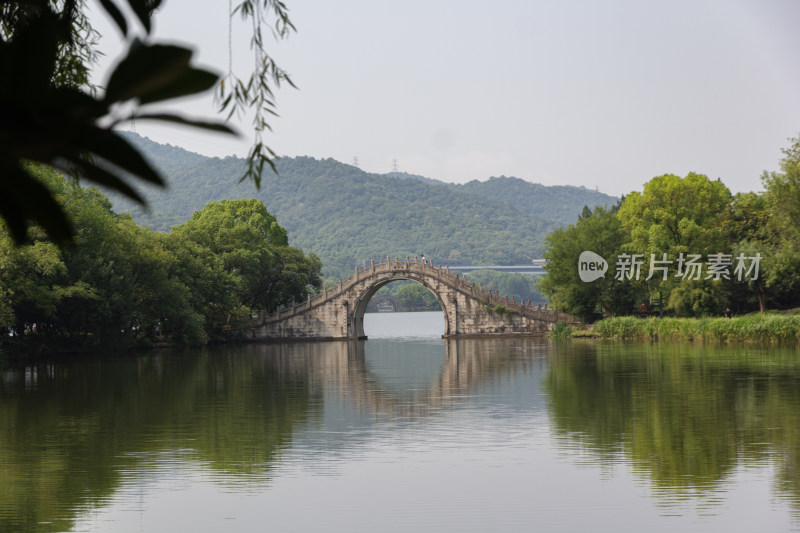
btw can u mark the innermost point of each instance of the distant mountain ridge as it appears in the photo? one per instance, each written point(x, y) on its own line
point(554, 202)
point(349, 217)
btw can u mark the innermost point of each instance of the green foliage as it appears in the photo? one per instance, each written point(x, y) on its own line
point(561, 330)
point(410, 295)
point(601, 233)
point(500, 309)
point(758, 327)
point(522, 287)
point(250, 247)
point(558, 203)
point(236, 95)
point(125, 285)
point(784, 187)
point(696, 298)
point(748, 222)
point(780, 236)
point(415, 297)
point(673, 219)
point(675, 215)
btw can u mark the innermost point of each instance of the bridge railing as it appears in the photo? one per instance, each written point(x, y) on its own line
point(441, 272)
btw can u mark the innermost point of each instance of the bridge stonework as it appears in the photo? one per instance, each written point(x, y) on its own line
point(469, 310)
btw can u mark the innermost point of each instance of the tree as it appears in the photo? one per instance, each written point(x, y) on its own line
point(416, 297)
point(124, 285)
point(696, 243)
point(521, 286)
point(250, 251)
point(780, 237)
point(749, 231)
point(602, 234)
point(34, 279)
point(675, 216)
point(116, 286)
point(51, 115)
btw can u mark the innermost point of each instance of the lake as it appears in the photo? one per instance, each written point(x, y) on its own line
point(405, 432)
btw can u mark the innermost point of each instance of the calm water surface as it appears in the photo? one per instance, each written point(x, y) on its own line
point(405, 432)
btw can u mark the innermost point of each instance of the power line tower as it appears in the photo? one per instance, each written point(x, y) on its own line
point(355, 162)
point(394, 165)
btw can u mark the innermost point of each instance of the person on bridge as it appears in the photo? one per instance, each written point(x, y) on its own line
point(423, 259)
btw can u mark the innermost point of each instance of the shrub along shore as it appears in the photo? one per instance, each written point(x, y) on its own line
point(754, 327)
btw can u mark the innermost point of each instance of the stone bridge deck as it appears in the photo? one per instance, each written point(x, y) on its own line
point(469, 309)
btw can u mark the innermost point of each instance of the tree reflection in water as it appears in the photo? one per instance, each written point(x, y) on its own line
point(74, 431)
point(684, 415)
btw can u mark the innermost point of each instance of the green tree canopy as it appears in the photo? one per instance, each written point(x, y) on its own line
point(416, 297)
point(697, 246)
point(126, 285)
point(676, 216)
point(253, 251)
point(601, 233)
point(779, 239)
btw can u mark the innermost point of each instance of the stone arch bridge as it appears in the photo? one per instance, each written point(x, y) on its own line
point(469, 309)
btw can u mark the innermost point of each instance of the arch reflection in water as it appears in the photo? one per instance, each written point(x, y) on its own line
point(407, 378)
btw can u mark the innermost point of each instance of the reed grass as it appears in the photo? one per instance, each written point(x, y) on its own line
point(755, 327)
point(561, 330)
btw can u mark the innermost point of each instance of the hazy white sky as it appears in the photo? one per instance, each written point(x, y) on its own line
point(600, 93)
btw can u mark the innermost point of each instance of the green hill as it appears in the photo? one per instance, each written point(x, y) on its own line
point(348, 216)
point(560, 203)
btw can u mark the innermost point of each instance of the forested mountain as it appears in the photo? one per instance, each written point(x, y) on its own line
point(554, 202)
point(348, 216)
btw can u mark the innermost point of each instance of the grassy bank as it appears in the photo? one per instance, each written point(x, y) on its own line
point(756, 327)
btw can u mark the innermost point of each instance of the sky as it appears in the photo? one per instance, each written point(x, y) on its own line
point(602, 94)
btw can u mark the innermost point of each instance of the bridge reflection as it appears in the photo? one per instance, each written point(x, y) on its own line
point(350, 370)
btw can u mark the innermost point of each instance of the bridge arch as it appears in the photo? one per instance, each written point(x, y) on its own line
point(469, 309)
point(360, 307)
